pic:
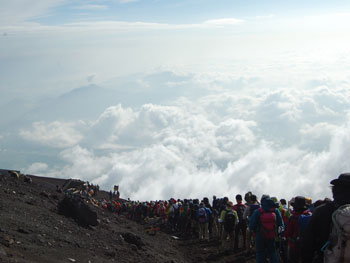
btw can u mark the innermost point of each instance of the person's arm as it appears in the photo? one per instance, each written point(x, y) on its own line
point(279, 218)
point(237, 218)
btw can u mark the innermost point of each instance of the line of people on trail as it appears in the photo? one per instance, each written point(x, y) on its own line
point(300, 231)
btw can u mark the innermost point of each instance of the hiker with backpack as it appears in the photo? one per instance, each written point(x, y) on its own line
point(194, 217)
point(185, 217)
point(265, 223)
point(210, 216)
point(229, 220)
point(296, 227)
point(203, 219)
point(248, 212)
point(241, 227)
point(326, 237)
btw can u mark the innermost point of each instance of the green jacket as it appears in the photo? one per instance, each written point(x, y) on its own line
point(223, 214)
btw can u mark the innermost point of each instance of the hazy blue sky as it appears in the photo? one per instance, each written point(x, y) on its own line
point(226, 96)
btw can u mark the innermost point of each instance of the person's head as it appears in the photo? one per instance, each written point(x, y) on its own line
point(253, 198)
point(229, 204)
point(308, 201)
point(214, 197)
point(238, 198)
point(225, 199)
point(283, 201)
point(299, 204)
point(340, 186)
point(275, 200)
point(247, 197)
point(206, 200)
point(264, 196)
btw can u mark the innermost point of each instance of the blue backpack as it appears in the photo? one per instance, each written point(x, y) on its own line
point(303, 220)
point(202, 215)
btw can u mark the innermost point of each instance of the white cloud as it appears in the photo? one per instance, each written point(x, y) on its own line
point(265, 16)
point(223, 22)
point(183, 151)
point(91, 7)
point(55, 134)
point(18, 11)
point(318, 130)
point(37, 169)
point(236, 136)
point(113, 26)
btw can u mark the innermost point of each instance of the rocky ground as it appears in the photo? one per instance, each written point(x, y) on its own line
point(31, 230)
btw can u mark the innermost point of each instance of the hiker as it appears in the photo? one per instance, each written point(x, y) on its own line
point(254, 204)
point(194, 217)
point(265, 223)
point(210, 216)
point(221, 207)
point(247, 198)
point(203, 220)
point(285, 213)
point(184, 216)
point(229, 220)
point(215, 210)
point(248, 212)
point(295, 228)
point(323, 237)
point(161, 213)
point(241, 227)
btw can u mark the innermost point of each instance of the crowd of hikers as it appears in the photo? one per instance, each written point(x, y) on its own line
point(295, 231)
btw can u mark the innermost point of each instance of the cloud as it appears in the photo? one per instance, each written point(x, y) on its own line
point(37, 168)
point(224, 141)
point(55, 134)
point(91, 7)
point(19, 11)
point(223, 22)
point(265, 16)
point(114, 26)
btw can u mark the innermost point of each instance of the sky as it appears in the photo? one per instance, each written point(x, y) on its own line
point(185, 98)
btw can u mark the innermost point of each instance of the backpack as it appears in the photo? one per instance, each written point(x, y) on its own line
point(268, 224)
point(339, 238)
point(240, 210)
point(202, 215)
point(303, 220)
point(229, 221)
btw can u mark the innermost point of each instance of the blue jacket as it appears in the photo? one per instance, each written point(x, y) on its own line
point(266, 204)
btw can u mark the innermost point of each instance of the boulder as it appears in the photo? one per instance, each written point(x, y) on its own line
point(133, 239)
point(76, 208)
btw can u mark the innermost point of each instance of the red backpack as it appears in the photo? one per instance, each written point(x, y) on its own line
point(268, 223)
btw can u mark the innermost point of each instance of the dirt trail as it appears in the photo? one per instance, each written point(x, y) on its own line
point(31, 230)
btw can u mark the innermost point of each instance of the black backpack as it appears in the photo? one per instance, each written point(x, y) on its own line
point(240, 211)
point(229, 221)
